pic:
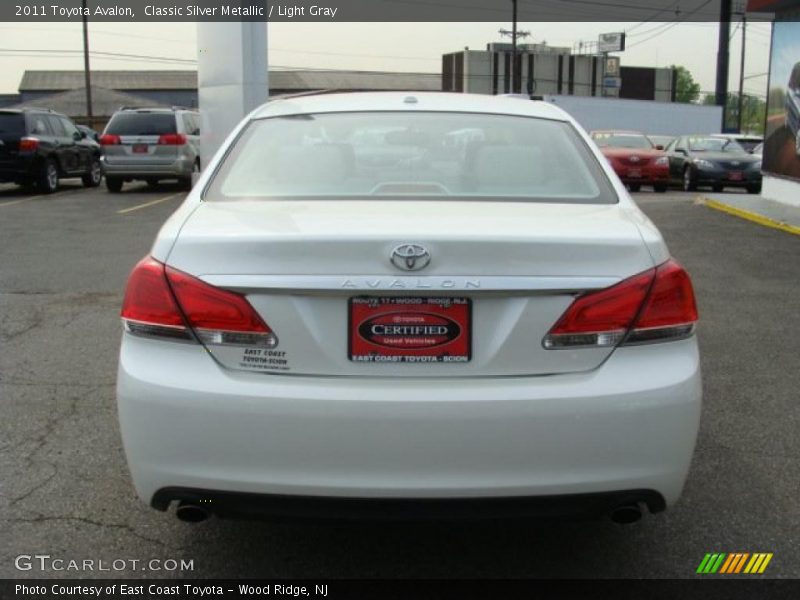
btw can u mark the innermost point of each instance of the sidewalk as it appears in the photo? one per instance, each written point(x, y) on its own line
point(757, 209)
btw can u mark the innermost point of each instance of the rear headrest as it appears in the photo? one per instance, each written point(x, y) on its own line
point(320, 163)
point(505, 165)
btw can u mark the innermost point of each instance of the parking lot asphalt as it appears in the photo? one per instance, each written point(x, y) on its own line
point(65, 490)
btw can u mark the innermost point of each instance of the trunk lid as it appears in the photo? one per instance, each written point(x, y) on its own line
point(518, 263)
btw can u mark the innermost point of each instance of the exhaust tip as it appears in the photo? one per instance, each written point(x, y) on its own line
point(191, 513)
point(624, 515)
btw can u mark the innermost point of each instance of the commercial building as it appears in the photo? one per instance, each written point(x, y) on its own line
point(543, 70)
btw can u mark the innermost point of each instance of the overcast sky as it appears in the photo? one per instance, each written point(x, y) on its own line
point(374, 46)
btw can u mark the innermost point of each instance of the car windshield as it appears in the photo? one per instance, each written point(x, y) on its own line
point(622, 140)
point(710, 144)
point(12, 123)
point(141, 123)
point(411, 154)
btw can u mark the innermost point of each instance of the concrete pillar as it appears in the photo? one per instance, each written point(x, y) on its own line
point(231, 77)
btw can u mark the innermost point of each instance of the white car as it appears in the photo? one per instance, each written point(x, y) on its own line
point(352, 316)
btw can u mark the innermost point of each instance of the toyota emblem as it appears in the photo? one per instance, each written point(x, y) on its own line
point(410, 257)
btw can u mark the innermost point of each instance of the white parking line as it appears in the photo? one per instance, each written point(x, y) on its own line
point(40, 196)
point(146, 204)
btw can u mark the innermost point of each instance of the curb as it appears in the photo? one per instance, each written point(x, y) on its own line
point(750, 216)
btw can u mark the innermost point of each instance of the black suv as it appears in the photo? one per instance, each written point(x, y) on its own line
point(39, 146)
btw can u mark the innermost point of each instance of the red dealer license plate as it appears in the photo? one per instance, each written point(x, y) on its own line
point(140, 148)
point(410, 330)
point(736, 175)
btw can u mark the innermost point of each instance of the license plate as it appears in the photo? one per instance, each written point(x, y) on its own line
point(634, 173)
point(140, 148)
point(735, 175)
point(409, 329)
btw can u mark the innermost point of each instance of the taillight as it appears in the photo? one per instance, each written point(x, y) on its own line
point(109, 139)
point(655, 305)
point(172, 139)
point(149, 307)
point(219, 316)
point(28, 144)
point(164, 302)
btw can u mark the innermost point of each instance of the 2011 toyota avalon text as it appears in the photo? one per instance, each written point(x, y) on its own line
point(394, 305)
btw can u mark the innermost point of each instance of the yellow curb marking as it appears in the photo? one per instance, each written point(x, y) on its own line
point(751, 216)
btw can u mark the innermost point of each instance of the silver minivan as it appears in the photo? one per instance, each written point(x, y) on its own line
point(151, 144)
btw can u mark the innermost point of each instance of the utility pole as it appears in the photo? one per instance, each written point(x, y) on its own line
point(723, 57)
point(87, 75)
point(741, 73)
point(514, 48)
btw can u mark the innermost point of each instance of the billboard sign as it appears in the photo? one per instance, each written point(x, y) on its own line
point(611, 42)
point(782, 131)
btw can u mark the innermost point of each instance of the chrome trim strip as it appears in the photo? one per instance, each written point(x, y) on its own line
point(383, 283)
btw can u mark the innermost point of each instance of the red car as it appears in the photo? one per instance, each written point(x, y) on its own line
point(636, 160)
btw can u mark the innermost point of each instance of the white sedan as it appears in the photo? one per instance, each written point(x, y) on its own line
point(409, 304)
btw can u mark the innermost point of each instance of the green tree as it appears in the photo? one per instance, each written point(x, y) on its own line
point(686, 88)
point(754, 111)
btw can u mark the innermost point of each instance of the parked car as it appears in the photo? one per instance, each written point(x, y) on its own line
point(90, 133)
point(661, 141)
point(707, 160)
point(39, 147)
point(793, 106)
point(748, 142)
point(318, 329)
point(635, 159)
point(152, 144)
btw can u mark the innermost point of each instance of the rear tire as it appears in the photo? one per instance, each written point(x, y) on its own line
point(660, 188)
point(754, 189)
point(186, 182)
point(689, 183)
point(95, 174)
point(47, 177)
point(634, 187)
point(114, 184)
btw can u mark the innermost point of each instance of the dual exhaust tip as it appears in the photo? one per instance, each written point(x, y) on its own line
point(190, 512)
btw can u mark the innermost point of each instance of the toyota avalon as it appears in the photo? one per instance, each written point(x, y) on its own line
point(414, 305)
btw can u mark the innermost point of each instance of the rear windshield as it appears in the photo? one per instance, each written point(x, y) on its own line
point(137, 123)
point(411, 155)
point(12, 123)
point(622, 140)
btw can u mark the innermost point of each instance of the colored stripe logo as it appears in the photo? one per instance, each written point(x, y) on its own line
point(734, 563)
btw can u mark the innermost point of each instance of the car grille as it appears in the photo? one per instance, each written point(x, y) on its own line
point(642, 161)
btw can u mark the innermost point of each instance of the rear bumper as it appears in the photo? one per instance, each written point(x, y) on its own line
point(181, 167)
point(188, 423)
point(255, 506)
point(20, 168)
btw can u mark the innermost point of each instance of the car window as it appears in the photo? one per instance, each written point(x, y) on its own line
point(39, 125)
point(69, 127)
point(141, 123)
point(411, 154)
point(622, 140)
point(12, 123)
point(712, 144)
point(56, 126)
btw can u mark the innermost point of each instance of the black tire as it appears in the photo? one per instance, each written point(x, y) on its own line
point(634, 187)
point(754, 189)
point(95, 174)
point(689, 182)
point(114, 184)
point(47, 177)
point(186, 182)
point(717, 188)
point(660, 188)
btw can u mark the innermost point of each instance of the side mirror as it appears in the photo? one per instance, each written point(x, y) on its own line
point(659, 147)
point(78, 135)
point(680, 151)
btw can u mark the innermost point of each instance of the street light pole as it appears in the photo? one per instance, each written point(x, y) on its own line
point(723, 57)
point(87, 77)
point(741, 75)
